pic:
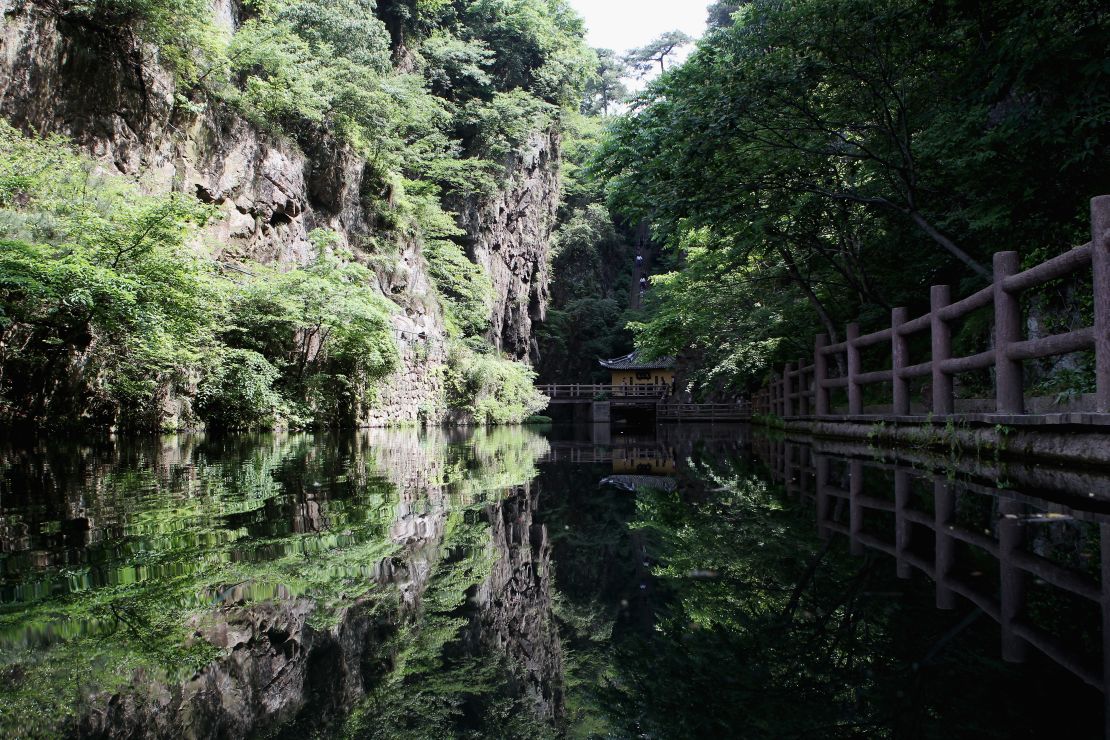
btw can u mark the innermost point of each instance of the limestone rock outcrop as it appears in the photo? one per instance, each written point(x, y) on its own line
point(104, 89)
point(510, 236)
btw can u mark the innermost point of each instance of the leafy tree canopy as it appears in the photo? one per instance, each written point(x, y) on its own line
point(644, 59)
point(850, 151)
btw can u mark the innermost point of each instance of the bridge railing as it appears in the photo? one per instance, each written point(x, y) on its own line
point(704, 410)
point(587, 391)
point(804, 388)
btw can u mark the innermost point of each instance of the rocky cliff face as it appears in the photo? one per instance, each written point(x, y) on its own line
point(510, 235)
point(278, 667)
point(105, 90)
point(516, 603)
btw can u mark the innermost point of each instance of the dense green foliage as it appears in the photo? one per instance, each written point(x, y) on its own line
point(477, 78)
point(436, 95)
point(846, 154)
point(490, 389)
point(607, 87)
point(466, 288)
point(109, 307)
point(101, 302)
point(324, 327)
point(592, 265)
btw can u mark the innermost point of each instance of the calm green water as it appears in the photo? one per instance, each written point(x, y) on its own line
point(674, 583)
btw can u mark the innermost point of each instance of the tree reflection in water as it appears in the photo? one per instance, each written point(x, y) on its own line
point(505, 583)
point(757, 626)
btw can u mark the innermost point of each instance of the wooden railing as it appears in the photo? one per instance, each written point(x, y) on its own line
point(704, 411)
point(803, 389)
point(587, 391)
point(917, 523)
point(580, 452)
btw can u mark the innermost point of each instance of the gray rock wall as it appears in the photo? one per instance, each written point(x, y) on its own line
point(105, 90)
point(510, 235)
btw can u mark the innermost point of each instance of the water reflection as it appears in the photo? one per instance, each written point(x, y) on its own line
point(1027, 546)
point(163, 556)
point(474, 583)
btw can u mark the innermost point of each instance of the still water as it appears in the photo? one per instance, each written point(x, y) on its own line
point(682, 582)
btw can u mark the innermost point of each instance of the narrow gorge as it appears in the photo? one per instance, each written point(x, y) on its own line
point(457, 243)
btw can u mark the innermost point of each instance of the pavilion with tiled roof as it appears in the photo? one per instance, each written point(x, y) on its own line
point(632, 370)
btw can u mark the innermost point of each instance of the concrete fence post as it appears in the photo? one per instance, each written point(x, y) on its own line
point(787, 392)
point(1009, 389)
point(855, 397)
point(773, 402)
point(774, 393)
point(820, 374)
point(782, 395)
point(1100, 264)
point(939, 297)
point(900, 357)
point(804, 408)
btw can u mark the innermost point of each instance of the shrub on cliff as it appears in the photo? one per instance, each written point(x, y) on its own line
point(102, 305)
point(490, 388)
point(466, 288)
point(474, 81)
point(188, 39)
point(324, 328)
point(106, 308)
point(238, 393)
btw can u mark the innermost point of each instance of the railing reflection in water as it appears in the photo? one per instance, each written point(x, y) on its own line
point(1060, 549)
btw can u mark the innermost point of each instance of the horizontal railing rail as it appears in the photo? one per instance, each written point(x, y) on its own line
point(704, 410)
point(590, 391)
point(804, 389)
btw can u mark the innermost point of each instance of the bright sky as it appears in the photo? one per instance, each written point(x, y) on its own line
point(626, 24)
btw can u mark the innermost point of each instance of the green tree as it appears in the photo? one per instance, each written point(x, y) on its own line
point(644, 59)
point(102, 304)
point(606, 88)
point(848, 150)
point(326, 330)
point(721, 12)
point(490, 389)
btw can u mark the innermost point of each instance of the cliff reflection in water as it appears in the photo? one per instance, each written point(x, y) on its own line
point(509, 583)
point(229, 585)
